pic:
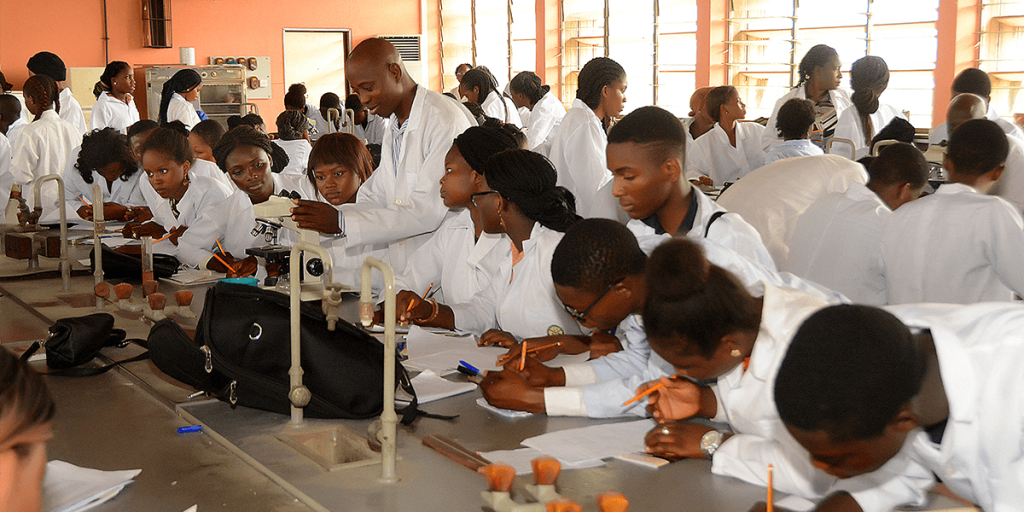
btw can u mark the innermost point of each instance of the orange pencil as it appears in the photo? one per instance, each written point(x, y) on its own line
point(84, 201)
point(506, 357)
point(650, 390)
point(770, 506)
point(165, 237)
point(522, 362)
point(221, 247)
point(232, 269)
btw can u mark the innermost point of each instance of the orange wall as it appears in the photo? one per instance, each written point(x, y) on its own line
point(74, 30)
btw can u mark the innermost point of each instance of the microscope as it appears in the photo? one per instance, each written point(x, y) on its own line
point(271, 216)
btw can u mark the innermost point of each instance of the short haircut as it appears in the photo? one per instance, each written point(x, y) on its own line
point(253, 120)
point(10, 108)
point(245, 136)
point(210, 131)
point(331, 100)
point(694, 300)
point(467, 65)
point(848, 372)
point(974, 81)
point(24, 398)
point(142, 126)
point(659, 132)
point(595, 75)
point(351, 102)
point(342, 149)
point(295, 98)
point(101, 148)
point(171, 143)
point(898, 129)
point(796, 116)
point(291, 124)
point(898, 164)
point(716, 98)
point(594, 253)
point(977, 147)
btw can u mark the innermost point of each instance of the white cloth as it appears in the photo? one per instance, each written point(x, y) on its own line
point(578, 153)
point(792, 149)
point(347, 261)
point(770, 137)
point(180, 109)
point(502, 108)
point(713, 156)
point(544, 119)
point(202, 197)
point(454, 261)
point(15, 127)
point(6, 178)
point(298, 156)
point(373, 132)
point(124, 193)
point(955, 246)
point(109, 111)
point(210, 170)
point(42, 149)
point(521, 299)
point(1011, 184)
point(773, 197)
point(941, 132)
point(71, 110)
point(837, 243)
point(849, 127)
point(402, 206)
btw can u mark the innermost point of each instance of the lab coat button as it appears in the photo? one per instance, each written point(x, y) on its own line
point(950, 471)
point(398, 201)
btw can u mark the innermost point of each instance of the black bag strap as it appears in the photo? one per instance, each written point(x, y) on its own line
point(714, 216)
point(119, 334)
point(412, 411)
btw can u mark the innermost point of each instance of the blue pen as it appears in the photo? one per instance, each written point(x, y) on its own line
point(471, 368)
point(190, 429)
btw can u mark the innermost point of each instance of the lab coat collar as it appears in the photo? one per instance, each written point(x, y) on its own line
point(415, 112)
point(49, 115)
point(956, 371)
point(860, 192)
point(783, 310)
point(591, 116)
point(955, 188)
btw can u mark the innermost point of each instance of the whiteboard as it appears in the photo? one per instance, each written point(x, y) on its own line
point(316, 57)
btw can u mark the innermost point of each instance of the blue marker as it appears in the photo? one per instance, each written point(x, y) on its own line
point(189, 429)
point(472, 370)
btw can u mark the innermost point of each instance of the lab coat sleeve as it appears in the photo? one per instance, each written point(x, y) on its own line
point(6, 178)
point(24, 158)
point(424, 265)
point(136, 198)
point(480, 313)
point(101, 115)
point(194, 247)
point(624, 363)
point(1006, 245)
point(696, 161)
point(587, 167)
point(770, 136)
point(745, 456)
point(605, 399)
point(733, 232)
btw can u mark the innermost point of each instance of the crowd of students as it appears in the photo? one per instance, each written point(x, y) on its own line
point(509, 217)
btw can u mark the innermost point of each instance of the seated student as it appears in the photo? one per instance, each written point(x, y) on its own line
point(203, 138)
point(44, 145)
point(10, 115)
point(837, 240)
point(137, 134)
point(49, 64)
point(546, 111)
point(646, 151)
point(115, 106)
point(699, 122)
point(731, 149)
point(796, 117)
point(975, 81)
point(480, 87)
point(958, 245)
point(295, 99)
point(179, 198)
point(932, 389)
point(578, 147)
point(177, 97)
point(898, 129)
point(869, 77)
point(519, 198)
point(245, 155)
point(6, 178)
point(460, 259)
point(369, 127)
point(103, 158)
point(26, 419)
point(293, 136)
point(328, 100)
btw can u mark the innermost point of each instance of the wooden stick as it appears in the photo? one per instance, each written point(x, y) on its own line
point(455, 451)
point(232, 269)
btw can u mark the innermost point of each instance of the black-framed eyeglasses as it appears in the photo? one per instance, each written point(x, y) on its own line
point(472, 197)
point(581, 316)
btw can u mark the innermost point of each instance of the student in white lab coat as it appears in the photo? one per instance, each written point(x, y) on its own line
point(49, 64)
point(820, 76)
point(460, 72)
point(933, 388)
point(837, 240)
point(106, 159)
point(578, 146)
point(546, 110)
point(958, 245)
point(480, 87)
point(699, 121)
point(10, 115)
point(27, 410)
point(460, 259)
point(203, 138)
point(399, 205)
point(796, 117)
point(293, 137)
point(731, 149)
point(177, 96)
point(869, 77)
point(115, 106)
point(44, 145)
point(295, 99)
point(328, 100)
point(6, 178)
point(975, 81)
point(369, 127)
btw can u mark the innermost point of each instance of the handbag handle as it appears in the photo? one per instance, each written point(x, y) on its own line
point(117, 337)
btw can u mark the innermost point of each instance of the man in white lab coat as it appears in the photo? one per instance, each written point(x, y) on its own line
point(399, 204)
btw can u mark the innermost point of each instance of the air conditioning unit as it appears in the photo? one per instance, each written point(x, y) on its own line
point(410, 47)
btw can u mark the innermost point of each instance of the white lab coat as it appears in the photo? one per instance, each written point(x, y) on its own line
point(770, 137)
point(42, 149)
point(181, 110)
point(941, 132)
point(6, 178)
point(773, 197)
point(124, 193)
point(521, 299)
point(71, 110)
point(16, 126)
point(502, 108)
point(298, 156)
point(203, 195)
point(402, 206)
point(956, 246)
point(544, 119)
point(375, 130)
point(849, 127)
point(578, 153)
point(791, 149)
point(109, 111)
point(1011, 184)
point(837, 243)
point(713, 156)
point(455, 261)
point(210, 170)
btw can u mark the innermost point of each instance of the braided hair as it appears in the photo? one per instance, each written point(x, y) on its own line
point(245, 136)
point(291, 124)
point(44, 91)
point(109, 72)
point(182, 81)
point(101, 148)
point(530, 85)
point(479, 143)
point(593, 78)
point(869, 77)
point(819, 55)
point(528, 180)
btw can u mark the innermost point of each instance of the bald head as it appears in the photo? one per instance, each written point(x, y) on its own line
point(963, 108)
point(375, 71)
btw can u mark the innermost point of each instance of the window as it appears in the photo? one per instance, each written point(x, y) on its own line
point(1001, 38)
point(767, 39)
point(499, 35)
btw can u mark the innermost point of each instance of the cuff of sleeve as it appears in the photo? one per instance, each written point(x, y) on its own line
point(720, 415)
point(579, 374)
point(564, 401)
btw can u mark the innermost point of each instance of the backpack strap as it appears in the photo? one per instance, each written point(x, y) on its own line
point(714, 216)
point(117, 337)
point(412, 411)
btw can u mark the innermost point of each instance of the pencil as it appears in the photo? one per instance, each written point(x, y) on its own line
point(221, 247)
point(84, 201)
point(650, 390)
point(770, 506)
point(506, 357)
point(409, 308)
point(165, 237)
point(232, 269)
point(522, 362)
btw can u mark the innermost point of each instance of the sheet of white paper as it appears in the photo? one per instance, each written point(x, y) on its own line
point(68, 488)
point(442, 353)
point(191, 276)
point(430, 387)
point(508, 413)
point(520, 460)
point(593, 442)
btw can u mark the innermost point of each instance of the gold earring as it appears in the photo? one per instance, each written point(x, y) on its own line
point(735, 353)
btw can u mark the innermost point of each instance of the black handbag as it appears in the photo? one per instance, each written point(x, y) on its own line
point(118, 265)
point(76, 341)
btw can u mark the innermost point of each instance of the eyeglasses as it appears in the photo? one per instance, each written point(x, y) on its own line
point(472, 197)
point(581, 316)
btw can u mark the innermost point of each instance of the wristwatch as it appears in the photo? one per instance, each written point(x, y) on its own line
point(710, 442)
